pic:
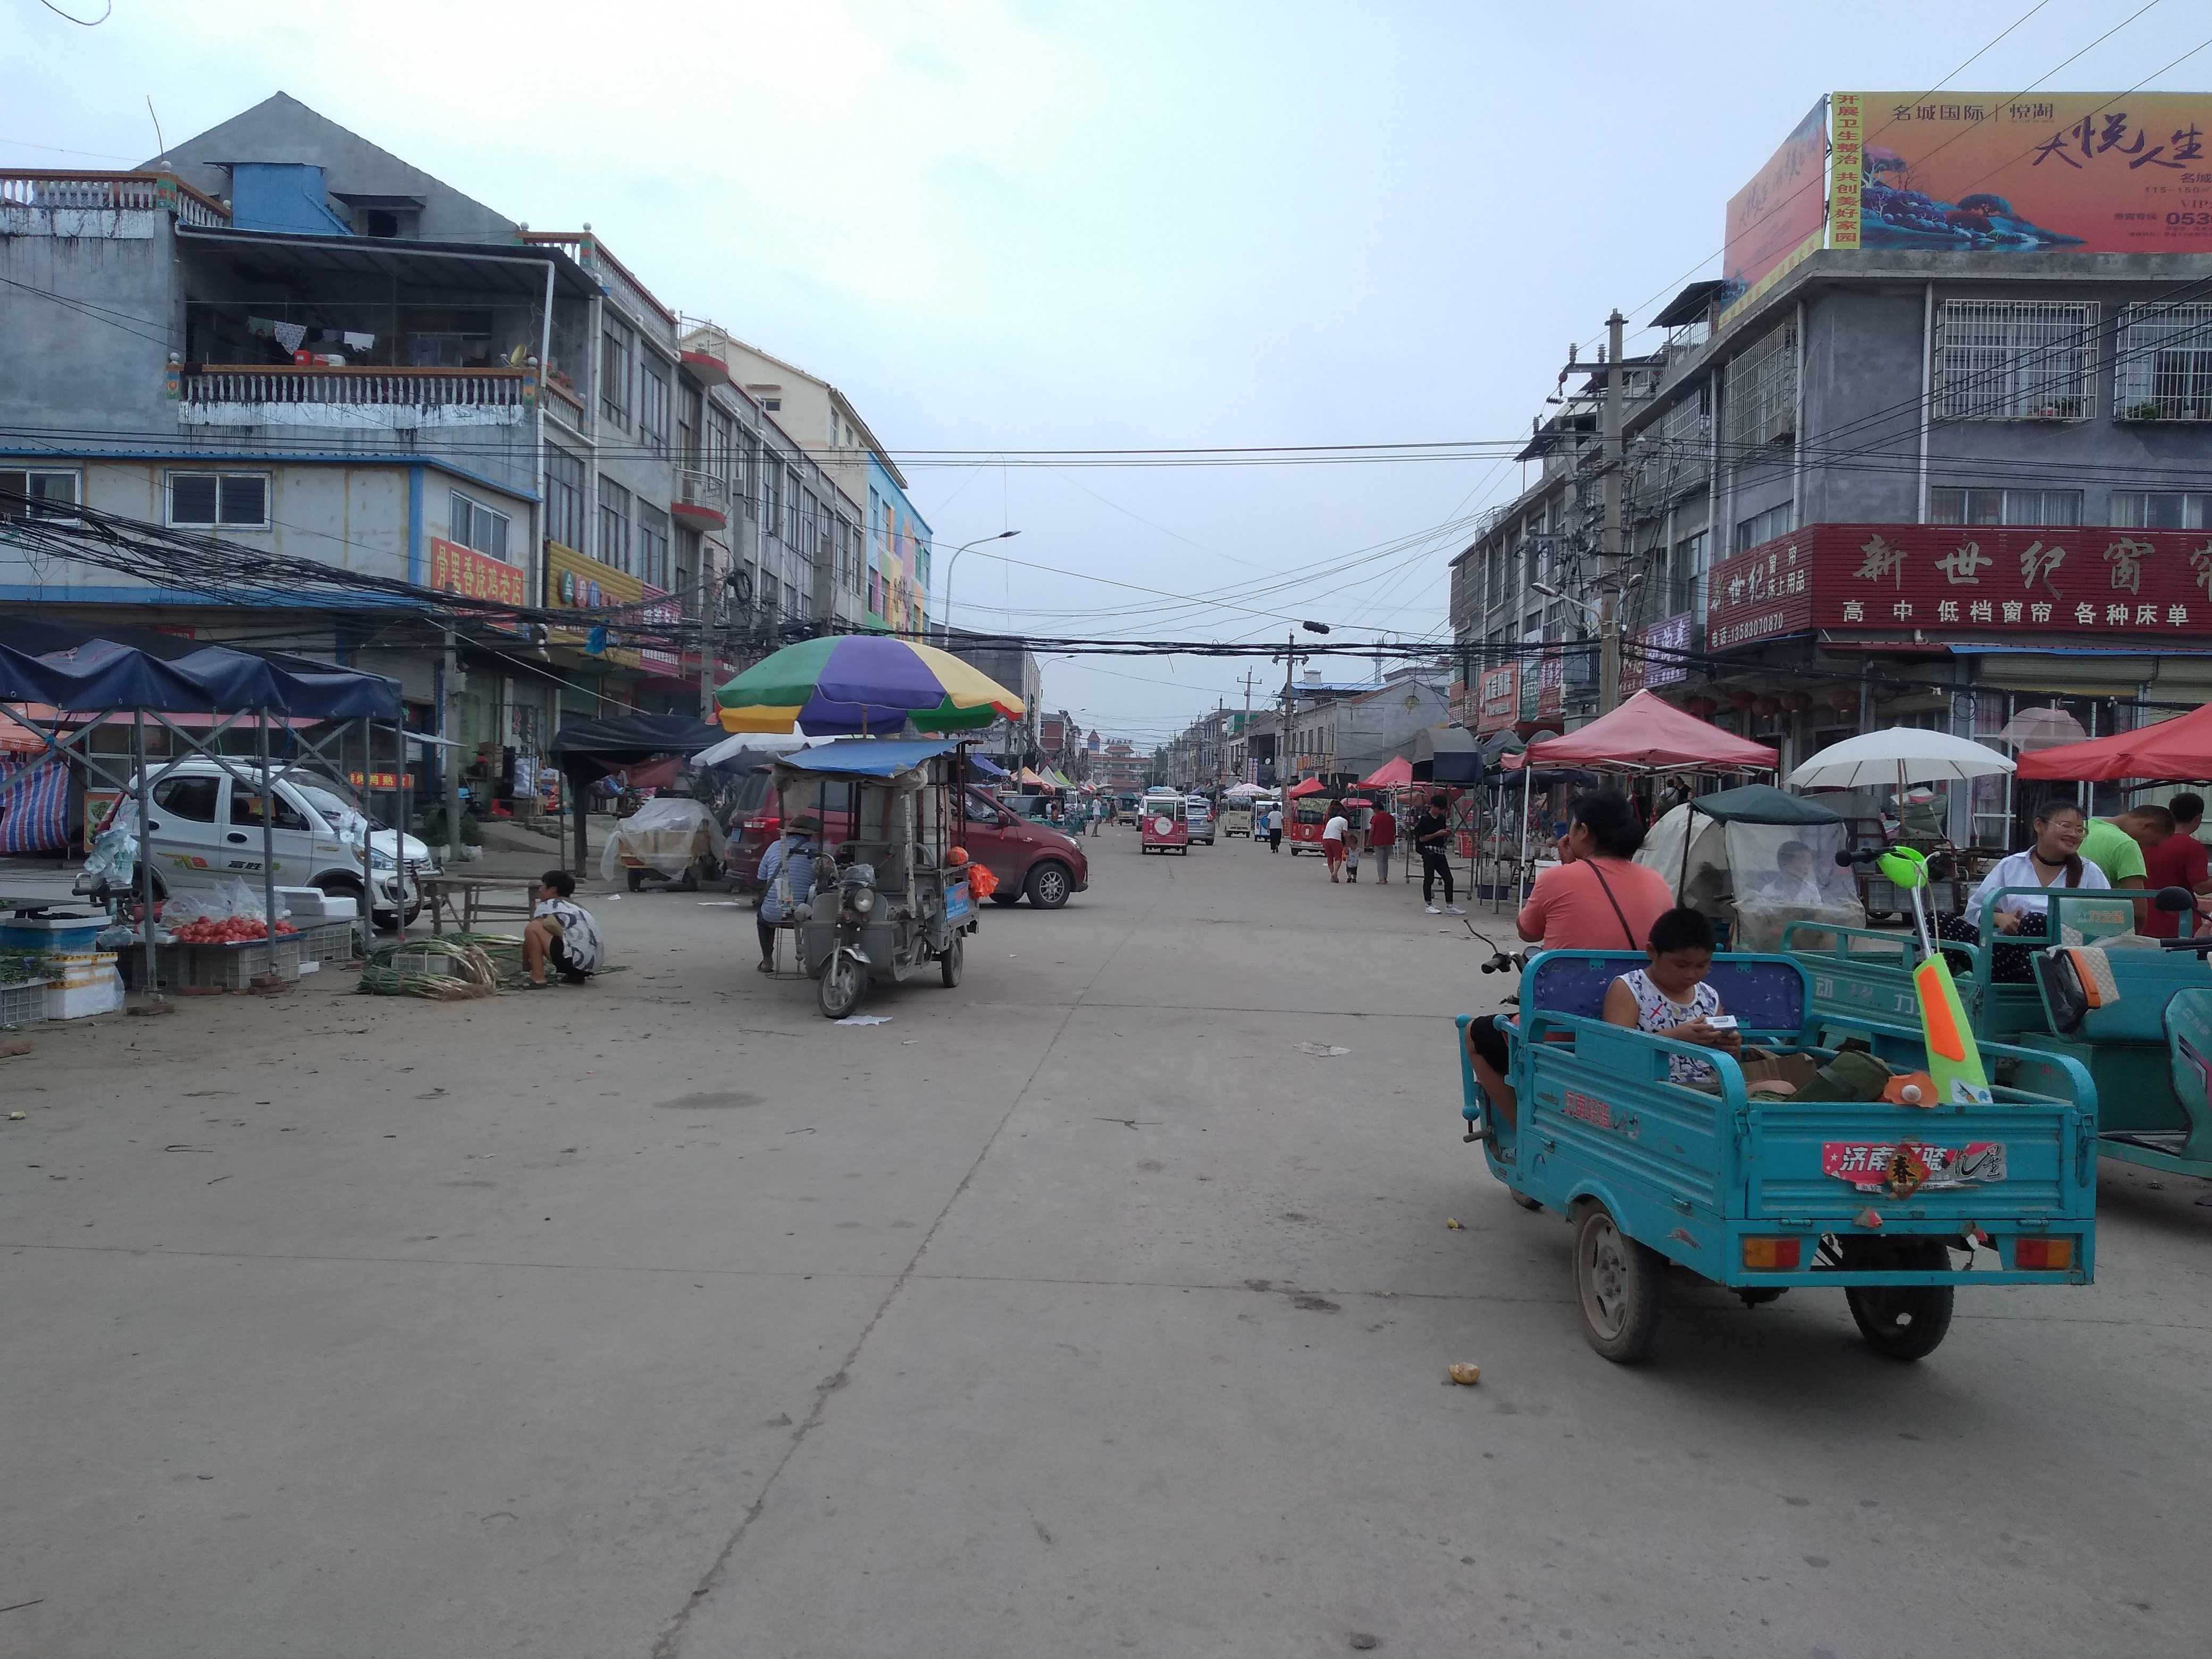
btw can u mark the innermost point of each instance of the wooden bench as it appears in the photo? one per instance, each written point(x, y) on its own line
point(465, 900)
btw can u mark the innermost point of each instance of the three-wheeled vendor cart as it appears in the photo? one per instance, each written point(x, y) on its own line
point(891, 893)
point(1895, 1205)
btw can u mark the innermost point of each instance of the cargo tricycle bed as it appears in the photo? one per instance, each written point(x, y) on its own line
point(1895, 1204)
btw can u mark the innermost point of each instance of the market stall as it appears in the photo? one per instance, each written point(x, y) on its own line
point(2178, 750)
point(587, 751)
point(63, 685)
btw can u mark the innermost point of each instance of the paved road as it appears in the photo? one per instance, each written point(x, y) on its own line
point(1075, 1312)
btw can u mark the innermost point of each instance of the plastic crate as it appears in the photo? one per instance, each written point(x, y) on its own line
point(235, 967)
point(327, 941)
point(23, 1004)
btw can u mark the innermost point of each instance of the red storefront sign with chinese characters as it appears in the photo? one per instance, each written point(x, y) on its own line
point(2092, 582)
point(1499, 704)
point(463, 570)
point(1551, 683)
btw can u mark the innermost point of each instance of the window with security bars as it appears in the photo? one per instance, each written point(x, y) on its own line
point(1684, 432)
point(2015, 359)
point(2163, 365)
point(1762, 391)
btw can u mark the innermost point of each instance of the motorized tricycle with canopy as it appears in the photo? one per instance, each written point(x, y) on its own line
point(890, 891)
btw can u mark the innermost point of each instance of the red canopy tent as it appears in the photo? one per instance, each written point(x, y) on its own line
point(1647, 733)
point(1310, 787)
point(2177, 749)
point(1394, 774)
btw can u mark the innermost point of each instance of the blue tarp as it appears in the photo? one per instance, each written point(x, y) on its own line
point(865, 757)
point(984, 766)
point(85, 673)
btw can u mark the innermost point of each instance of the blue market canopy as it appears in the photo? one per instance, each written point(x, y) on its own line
point(985, 767)
point(864, 758)
point(121, 669)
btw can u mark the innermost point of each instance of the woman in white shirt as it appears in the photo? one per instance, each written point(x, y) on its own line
point(2053, 859)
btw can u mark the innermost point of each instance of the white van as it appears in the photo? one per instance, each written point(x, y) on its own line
point(205, 827)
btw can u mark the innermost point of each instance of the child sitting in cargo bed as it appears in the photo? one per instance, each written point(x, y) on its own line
point(1670, 996)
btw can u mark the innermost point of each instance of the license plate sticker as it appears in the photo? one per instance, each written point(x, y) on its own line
point(1876, 1166)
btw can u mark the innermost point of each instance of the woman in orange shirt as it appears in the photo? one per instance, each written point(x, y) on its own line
point(1596, 899)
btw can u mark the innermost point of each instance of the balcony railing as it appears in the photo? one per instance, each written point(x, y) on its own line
point(109, 192)
point(220, 394)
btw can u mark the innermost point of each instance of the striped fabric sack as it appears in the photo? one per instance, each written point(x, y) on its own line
point(33, 807)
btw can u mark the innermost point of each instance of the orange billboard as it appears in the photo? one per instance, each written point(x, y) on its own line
point(1778, 217)
point(2081, 172)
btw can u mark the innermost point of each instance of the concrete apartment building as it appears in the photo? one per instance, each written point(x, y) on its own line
point(824, 423)
point(1880, 485)
point(280, 334)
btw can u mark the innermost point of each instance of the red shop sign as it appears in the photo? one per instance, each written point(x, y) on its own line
point(1966, 579)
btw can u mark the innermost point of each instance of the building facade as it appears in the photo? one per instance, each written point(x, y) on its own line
point(1898, 487)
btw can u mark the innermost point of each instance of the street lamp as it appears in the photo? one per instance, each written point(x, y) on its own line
point(953, 564)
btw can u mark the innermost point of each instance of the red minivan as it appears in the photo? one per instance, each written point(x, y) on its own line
point(1029, 858)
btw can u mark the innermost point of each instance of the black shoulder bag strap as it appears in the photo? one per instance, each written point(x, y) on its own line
point(1626, 931)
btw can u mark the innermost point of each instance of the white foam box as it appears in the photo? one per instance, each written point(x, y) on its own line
point(100, 996)
point(313, 904)
point(73, 970)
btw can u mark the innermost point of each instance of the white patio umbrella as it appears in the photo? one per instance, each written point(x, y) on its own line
point(1245, 790)
point(1896, 758)
point(2041, 729)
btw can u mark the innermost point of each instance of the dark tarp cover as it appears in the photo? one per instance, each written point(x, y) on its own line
point(120, 669)
point(635, 736)
point(1446, 754)
point(1762, 803)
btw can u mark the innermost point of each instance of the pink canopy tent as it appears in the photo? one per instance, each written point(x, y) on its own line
point(2177, 749)
point(1394, 774)
point(1647, 733)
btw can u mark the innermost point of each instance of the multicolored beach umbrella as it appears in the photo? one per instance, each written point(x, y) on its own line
point(862, 685)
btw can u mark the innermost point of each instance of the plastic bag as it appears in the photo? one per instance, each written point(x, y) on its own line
point(980, 882)
point(114, 855)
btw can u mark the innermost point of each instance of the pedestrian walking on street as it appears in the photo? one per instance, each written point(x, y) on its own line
point(1432, 837)
point(1331, 838)
point(1274, 829)
point(1382, 836)
point(1354, 840)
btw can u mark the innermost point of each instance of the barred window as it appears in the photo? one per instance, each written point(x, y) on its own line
point(2162, 369)
point(1762, 391)
point(2015, 359)
point(1684, 432)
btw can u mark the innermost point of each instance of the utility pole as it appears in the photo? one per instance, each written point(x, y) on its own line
point(449, 725)
point(706, 635)
point(1289, 699)
point(1247, 729)
point(1609, 591)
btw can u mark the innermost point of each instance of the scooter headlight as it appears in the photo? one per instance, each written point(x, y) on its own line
point(864, 899)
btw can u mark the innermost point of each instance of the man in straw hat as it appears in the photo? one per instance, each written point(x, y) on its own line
point(786, 878)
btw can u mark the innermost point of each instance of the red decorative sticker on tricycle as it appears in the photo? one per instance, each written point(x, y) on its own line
point(1588, 1109)
point(1874, 1166)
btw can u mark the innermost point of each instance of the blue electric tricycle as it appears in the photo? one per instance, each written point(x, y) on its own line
point(1894, 1204)
point(2141, 1037)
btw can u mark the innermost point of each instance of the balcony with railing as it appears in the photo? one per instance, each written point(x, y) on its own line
point(352, 398)
point(613, 277)
point(113, 206)
point(702, 500)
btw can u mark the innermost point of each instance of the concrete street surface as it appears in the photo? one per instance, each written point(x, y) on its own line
point(1073, 1312)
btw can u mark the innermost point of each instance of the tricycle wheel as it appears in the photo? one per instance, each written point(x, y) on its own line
point(950, 963)
point(636, 880)
point(1617, 1284)
point(844, 983)
point(1523, 1199)
point(1903, 1322)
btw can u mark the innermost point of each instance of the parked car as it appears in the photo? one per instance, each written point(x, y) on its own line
point(1026, 857)
point(205, 827)
point(1199, 812)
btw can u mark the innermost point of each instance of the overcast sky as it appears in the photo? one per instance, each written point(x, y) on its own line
point(1009, 227)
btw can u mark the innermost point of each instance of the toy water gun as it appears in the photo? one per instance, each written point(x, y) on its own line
point(1955, 1060)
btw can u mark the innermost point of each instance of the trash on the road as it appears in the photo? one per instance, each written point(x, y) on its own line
point(863, 1019)
point(719, 904)
point(16, 1117)
point(1321, 1050)
point(1465, 1375)
point(1453, 1225)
